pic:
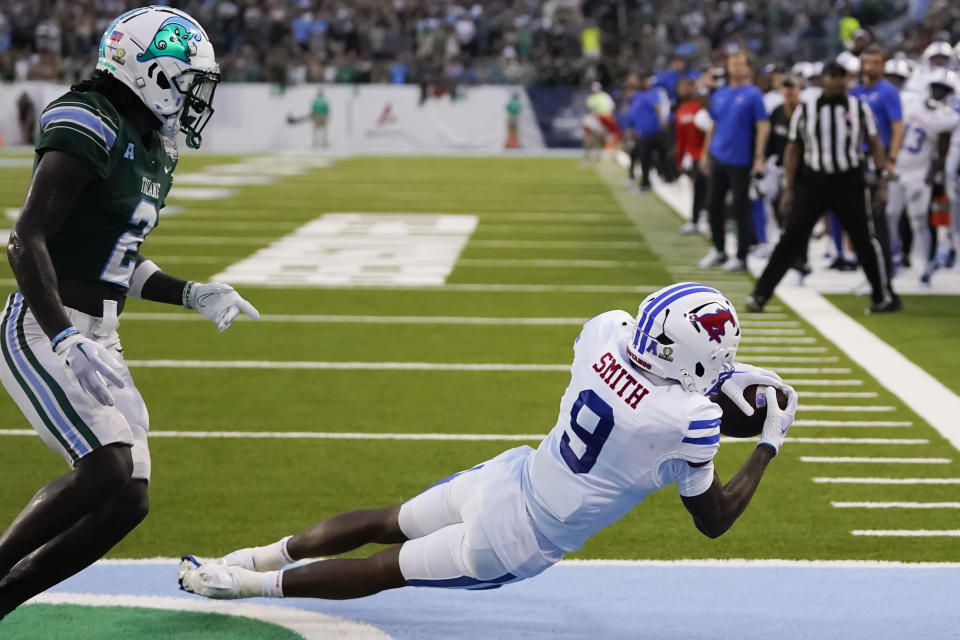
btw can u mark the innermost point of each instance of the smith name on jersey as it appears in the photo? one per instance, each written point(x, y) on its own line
point(621, 435)
point(100, 238)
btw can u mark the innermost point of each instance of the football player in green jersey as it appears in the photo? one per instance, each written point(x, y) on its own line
point(105, 156)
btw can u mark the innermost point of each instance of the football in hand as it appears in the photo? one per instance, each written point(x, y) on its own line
point(737, 424)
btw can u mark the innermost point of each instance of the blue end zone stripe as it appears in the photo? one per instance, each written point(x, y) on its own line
point(463, 582)
point(705, 424)
point(714, 439)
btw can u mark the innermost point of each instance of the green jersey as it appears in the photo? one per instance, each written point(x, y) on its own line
point(320, 106)
point(100, 238)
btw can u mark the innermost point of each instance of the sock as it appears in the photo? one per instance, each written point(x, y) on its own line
point(267, 558)
point(271, 584)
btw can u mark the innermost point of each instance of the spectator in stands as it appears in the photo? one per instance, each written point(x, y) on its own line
point(736, 146)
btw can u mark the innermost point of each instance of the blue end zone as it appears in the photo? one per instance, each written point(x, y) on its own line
point(644, 601)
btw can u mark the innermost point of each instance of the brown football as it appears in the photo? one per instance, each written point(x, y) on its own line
point(737, 424)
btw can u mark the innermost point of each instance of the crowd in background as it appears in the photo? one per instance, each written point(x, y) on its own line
point(543, 42)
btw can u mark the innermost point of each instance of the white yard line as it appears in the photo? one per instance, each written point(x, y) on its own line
point(862, 460)
point(769, 323)
point(471, 287)
point(747, 339)
point(895, 505)
point(339, 319)
point(773, 359)
point(828, 370)
point(823, 382)
point(558, 244)
point(859, 408)
point(773, 332)
point(847, 480)
point(749, 349)
point(351, 366)
point(852, 423)
point(554, 264)
point(839, 394)
point(908, 533)
point(506, 437)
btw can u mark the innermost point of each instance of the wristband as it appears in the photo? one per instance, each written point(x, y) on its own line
point(187, 288)
point(772, 448)
point(63, 335)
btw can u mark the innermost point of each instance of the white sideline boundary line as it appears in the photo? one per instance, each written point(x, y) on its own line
point(308, 624)
point(328, 435)
point(921, 392)
point(861, 460)
point(895, 505)
point(704, 562)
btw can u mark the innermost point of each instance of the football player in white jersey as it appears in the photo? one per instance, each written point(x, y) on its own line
point(937, 55)
point(635, 418)
point(929, 122)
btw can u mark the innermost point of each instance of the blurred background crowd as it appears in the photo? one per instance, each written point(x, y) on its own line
point(531, 42)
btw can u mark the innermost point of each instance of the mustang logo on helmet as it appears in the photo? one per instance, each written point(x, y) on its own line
point(715, 323)
point(173, 39)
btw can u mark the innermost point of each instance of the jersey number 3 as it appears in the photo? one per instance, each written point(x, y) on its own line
point(590, 438)
point(120, 266)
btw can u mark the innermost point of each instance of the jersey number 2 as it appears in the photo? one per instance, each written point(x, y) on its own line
point(593, 440)
point(120, 266)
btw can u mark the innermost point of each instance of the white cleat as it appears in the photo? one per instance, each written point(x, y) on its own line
point(712, 259)
point(734, 264)
point(217, 581)
point(688, 228)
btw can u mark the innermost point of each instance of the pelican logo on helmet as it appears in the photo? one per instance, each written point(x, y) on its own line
point(173, 40)
point(714, 323)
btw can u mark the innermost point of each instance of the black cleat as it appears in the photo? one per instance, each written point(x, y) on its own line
point(887, 306)
point(755, 303)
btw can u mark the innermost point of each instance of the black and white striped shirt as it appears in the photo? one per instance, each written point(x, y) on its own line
point(833, 132)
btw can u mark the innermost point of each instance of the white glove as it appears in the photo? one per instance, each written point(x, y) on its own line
point(778, 420)
point(218, 302)
point(743, 376)
point(91, 364)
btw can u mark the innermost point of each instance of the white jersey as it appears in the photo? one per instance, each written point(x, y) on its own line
point(620, 436)
point(922, 127)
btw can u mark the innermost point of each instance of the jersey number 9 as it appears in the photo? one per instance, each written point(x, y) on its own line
point(590, 439)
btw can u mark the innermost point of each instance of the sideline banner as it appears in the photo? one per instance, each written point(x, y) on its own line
point(371, 118)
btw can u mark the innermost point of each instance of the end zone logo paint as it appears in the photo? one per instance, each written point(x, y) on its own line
point(715, 323)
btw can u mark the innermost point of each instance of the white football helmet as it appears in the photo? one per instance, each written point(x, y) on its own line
point(165, 57)
point(941, 84)
point(938, 48)
point(850, 62)
point(898, 67)
point(687, 332)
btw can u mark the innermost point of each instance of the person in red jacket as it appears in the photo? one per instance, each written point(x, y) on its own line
point(692, 122)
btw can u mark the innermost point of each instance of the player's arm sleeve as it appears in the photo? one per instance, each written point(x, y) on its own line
point(80, 130)
point(759, 109)
point(691, 480)
point(702, 120)
point(701, 440)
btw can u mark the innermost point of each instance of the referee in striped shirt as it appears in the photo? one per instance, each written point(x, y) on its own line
point(824, 170)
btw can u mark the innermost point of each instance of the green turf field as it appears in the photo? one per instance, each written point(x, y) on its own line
point(212, 495)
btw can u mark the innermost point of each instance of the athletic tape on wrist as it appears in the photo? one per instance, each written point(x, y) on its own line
point(141, 274)
point(63, 335)
point(187, 288)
